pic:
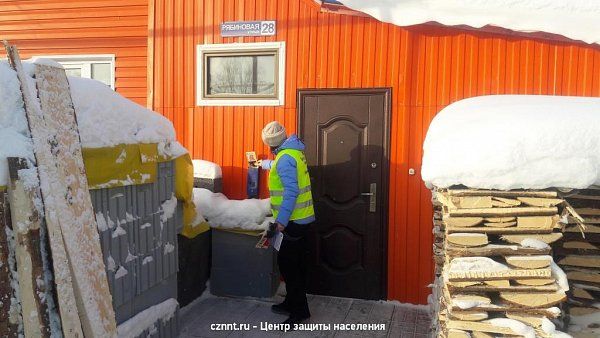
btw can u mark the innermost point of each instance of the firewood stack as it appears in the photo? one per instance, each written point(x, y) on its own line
point(498, 276)
point(578, 253)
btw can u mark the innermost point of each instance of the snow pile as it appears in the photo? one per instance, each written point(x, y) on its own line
point(516, 326)
point(147, 319)
point(575, 19)
point(560, 276)
point(462, 264)
point(534, 243)
point(105, 118)
point(515, 141)
point(206, 169)
point(222, 212)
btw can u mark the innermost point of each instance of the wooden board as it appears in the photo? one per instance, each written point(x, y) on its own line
point(503, 212)
point(501, 193)
point(500, 219)
point(9, 327)
point(493, 275)
point(540, 202)
point(491, 288)
point(546, 238)
point(494, 250)
point(505, 202)
point(463, 222)
point(529, 262)
point(472, 202)
point(500, 231)
point(535, 282)
point(478, 326)
point(588, 211)
point(534, 300)
point(30, 268)
point(469, 315)
point(537, 222)
point(581, 261)
point(500, 224)
point(467, 240)
point(71, 198)
point(71, 324)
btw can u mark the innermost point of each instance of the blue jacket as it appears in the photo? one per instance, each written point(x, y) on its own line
point(286, 168)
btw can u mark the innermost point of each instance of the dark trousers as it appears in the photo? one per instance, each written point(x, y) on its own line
point(292, 260)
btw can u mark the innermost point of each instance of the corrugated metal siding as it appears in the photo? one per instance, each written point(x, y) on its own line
point(43, 27)
point(427, 67)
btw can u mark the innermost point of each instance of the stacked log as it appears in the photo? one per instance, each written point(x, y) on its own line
point(498, 277)
point(578, 253)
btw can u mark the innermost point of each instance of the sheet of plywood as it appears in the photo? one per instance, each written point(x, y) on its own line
point(583, 276)
point(500, 224)
point(580, 245)
point(494, 250)
point(472, 202)
point(535, 282)
point(63, 278)
point(500, 219)
point(478, 326)
point(469, 315)
point(505, 202)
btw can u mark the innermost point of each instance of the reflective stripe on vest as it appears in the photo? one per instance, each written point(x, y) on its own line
point(304, 203)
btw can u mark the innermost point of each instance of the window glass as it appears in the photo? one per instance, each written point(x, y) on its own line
point(102, 72)
point(241, 75)
point(73, 71)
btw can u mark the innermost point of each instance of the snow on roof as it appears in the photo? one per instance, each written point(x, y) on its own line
point(105, 118)
point(515, 141)
point(575, 19)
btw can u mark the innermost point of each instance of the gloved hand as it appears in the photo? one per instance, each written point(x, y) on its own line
point(272, 230)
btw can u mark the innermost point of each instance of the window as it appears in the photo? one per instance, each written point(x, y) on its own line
point(97, 67)
point(241, 74)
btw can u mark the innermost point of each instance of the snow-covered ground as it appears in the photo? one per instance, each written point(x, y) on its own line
point(515, 141)
point(575, 19)
point(105, 118)
point(219, 211)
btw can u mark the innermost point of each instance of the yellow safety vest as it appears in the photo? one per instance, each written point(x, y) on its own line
point(304, 202)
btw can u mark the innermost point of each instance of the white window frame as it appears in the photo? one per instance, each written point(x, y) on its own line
point(86, 61)
point(201, 50)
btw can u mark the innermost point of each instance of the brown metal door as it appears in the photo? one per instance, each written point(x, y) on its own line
point(346, 136)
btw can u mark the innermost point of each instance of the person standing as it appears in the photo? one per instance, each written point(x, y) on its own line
point(292, 206)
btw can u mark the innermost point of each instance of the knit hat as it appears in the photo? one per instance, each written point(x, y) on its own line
point(273, 134)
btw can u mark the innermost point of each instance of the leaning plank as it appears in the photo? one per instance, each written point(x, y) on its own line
point(501, 193)
point(546, 238)
point(69, 315)
point(9, 326)
point(503, 212)
point(493, 275)
point(533, 300)
point(30, 270)
point(69, 189)
point(478, 326)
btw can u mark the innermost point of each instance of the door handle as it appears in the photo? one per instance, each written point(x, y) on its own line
point(372, 197)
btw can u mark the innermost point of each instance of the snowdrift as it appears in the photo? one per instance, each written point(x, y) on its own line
point(515, 142)
point(575, 19)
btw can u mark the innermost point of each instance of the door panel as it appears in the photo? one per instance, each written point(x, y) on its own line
point(346, 133)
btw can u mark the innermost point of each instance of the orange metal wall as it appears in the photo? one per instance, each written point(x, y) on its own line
point(57, 27)
point(427, 67)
